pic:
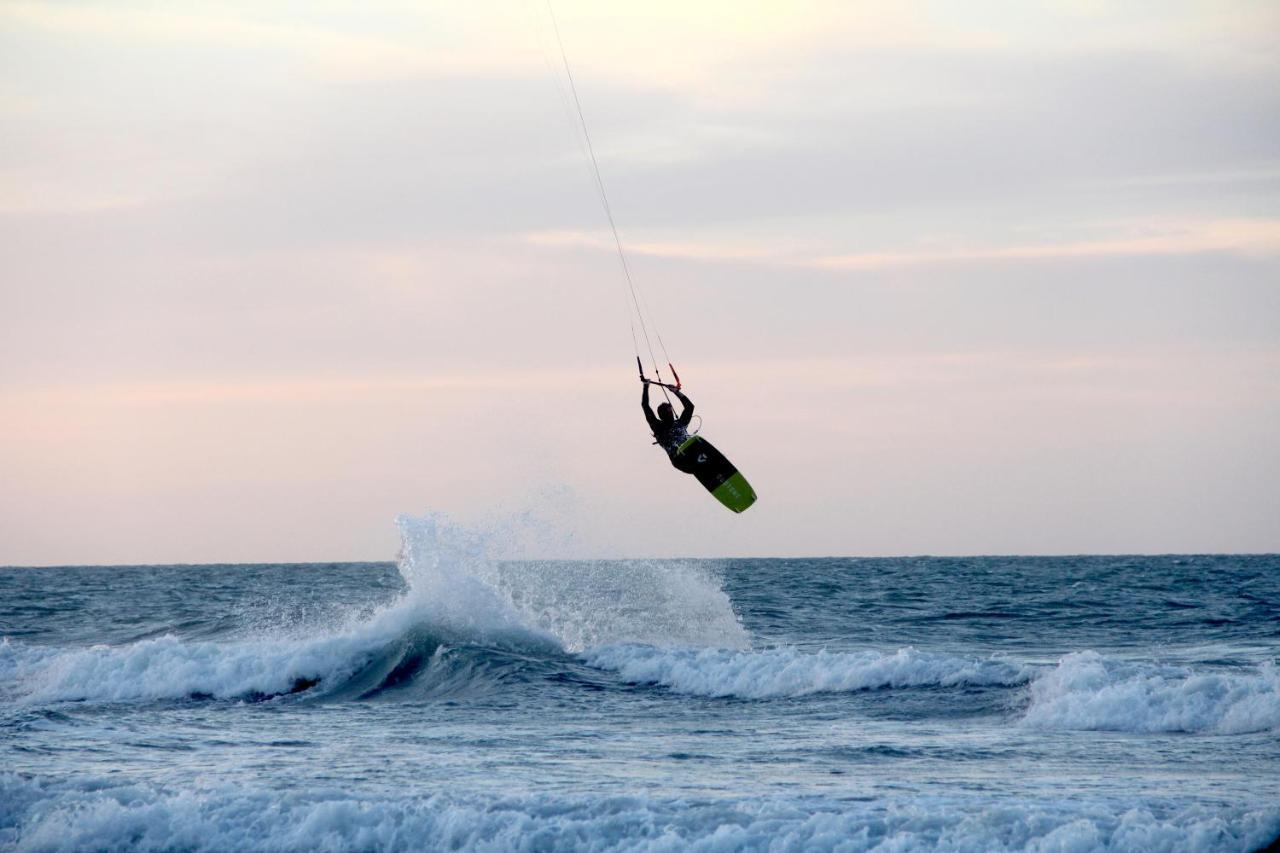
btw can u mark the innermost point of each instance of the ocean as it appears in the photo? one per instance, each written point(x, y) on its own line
point(465, 699)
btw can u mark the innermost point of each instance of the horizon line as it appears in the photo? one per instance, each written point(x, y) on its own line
point(285, 563)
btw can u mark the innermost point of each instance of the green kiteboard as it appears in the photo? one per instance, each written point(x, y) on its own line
point(698, 457)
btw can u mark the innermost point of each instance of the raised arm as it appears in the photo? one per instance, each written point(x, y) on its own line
point(648, 412)
point(687, 415)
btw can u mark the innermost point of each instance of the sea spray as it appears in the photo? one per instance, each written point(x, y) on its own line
point(453, 586)
point(454, 575)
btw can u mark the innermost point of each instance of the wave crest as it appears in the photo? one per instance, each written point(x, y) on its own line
point(1086, 691)
point(787, 672)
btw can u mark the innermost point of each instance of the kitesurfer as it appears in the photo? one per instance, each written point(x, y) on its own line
point(670, 431)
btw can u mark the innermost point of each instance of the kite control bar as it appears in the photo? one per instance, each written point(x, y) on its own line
point(676, 387)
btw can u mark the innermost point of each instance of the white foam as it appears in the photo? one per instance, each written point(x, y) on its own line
point(788, 672)
point(457, 592)
point(102, 814)
point(1087, 691)
point(170, 668)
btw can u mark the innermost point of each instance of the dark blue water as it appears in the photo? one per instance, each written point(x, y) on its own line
point(460, 701)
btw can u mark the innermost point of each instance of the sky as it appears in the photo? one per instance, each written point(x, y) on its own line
point(941, 277)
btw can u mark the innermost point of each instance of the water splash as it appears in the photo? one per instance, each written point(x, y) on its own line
point(455, 577)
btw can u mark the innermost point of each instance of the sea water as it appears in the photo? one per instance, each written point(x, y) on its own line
point(457, 700)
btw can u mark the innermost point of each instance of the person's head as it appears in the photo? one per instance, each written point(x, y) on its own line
point(666, 414)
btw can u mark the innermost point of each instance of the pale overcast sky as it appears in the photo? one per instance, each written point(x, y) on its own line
point(951, 278)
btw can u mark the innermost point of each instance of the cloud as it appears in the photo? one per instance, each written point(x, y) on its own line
point(329, 50)
point(1234, 236)
point(1248, 237)
point(302, 388)
point(686, 251)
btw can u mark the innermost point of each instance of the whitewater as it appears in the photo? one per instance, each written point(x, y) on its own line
point(465, 698)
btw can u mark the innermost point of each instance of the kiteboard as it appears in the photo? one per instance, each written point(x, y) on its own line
point(699, 457)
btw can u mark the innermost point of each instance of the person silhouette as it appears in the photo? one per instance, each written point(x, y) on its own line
point(668, 430)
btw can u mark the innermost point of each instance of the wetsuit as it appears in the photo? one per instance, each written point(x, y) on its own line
point(670, 434)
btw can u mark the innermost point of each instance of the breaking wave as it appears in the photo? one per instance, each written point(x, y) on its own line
point(1084, 691)
point(463, 611)
point(1087, 691)
point(787, 672)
